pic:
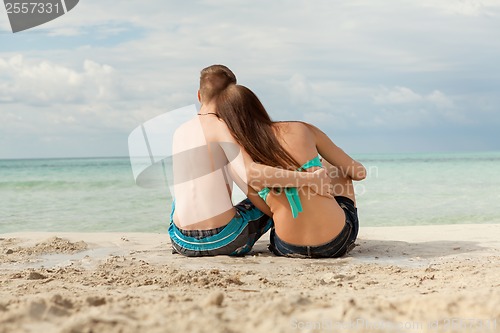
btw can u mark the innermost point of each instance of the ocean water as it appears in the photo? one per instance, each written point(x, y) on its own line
point(426, 189)
point(91, 194)
point(99, 194)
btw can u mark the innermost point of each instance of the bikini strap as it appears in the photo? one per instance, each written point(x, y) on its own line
point(264, 193)
point(315, 162)
point(292, 195)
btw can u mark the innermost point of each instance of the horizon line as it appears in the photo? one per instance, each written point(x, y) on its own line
point(354, 154)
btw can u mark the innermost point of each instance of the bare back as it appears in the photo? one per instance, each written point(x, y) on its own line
point(202, 185)
point(322, 219)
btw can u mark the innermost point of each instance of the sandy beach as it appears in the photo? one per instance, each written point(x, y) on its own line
point(398, 279)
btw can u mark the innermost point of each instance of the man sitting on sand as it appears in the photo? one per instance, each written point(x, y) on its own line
point(206, 160)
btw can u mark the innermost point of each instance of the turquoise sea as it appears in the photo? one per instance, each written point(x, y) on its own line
point(99, 194)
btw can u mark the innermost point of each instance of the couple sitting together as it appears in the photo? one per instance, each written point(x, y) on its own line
point(297, 181)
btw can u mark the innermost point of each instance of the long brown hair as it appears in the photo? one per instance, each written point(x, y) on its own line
point(251, 126)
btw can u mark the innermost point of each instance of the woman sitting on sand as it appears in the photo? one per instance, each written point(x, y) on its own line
point(305, 224)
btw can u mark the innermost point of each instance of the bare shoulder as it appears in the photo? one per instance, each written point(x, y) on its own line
point(315, 130)
point(186, 129)
point(295, 128)
point(297, 139)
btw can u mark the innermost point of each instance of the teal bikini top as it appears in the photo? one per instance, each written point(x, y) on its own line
point(292, 193)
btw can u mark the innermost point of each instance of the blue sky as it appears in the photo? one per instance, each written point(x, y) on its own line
point(377, 76)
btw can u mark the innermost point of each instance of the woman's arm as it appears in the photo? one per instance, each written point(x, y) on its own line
point(336, 156)
point(259, 176)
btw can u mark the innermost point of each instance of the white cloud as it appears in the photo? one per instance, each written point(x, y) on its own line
point(397, 95)
point(464, 7)
point(330, 120)
point(303, 93)
point(403, 95)
point(403, 107)
point(47, 83)
point(40, 97)
point(440, 100)
point(347, 64)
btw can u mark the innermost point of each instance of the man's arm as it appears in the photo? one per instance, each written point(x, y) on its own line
point(258, 202)
point(253, 196)
point(336, 156)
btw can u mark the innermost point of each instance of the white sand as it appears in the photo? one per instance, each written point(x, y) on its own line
point(429, 278)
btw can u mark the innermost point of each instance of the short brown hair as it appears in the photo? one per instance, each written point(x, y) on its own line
point(215, 79)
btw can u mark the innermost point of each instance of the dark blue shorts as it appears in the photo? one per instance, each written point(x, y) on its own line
point(335, 248)
point(235, 239)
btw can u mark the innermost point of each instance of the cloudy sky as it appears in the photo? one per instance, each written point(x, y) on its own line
point(378, 76)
